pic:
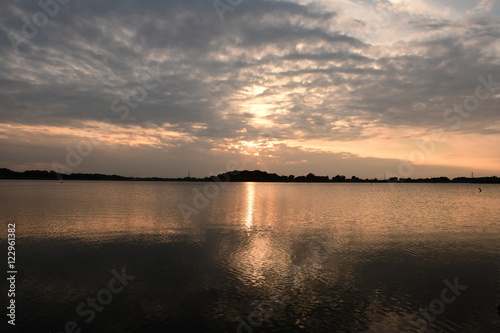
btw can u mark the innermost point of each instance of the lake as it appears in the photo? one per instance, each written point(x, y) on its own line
point(254, 257)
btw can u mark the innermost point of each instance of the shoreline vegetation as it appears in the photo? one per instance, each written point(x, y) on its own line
point(239, 176)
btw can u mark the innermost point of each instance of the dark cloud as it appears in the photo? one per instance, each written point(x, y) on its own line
point(430, 24)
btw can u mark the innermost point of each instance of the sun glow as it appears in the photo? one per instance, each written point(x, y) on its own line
point(248, 147)
point(248, 143)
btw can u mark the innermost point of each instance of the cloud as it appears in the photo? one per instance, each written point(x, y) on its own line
point(483, 7)
point(274, 70)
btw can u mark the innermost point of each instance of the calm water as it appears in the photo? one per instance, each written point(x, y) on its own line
point(259, 257)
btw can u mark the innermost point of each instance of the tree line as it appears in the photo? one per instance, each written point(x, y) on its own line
point(239, 176)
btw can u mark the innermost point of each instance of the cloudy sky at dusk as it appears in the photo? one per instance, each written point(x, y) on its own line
point(156, 88)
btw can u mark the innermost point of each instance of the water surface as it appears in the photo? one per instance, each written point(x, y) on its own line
point(261, 257)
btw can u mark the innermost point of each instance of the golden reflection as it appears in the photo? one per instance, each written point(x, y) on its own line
point(259, 259)
point(250, 205)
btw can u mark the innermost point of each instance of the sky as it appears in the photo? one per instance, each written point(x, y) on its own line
point(162, 88)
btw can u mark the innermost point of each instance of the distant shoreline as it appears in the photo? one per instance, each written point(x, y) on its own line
point(237, 177)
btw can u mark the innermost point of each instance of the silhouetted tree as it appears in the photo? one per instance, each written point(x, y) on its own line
point(338, 178)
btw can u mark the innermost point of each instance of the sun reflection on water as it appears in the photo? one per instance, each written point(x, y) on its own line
point(250, 205)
